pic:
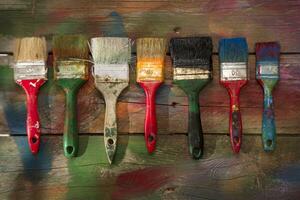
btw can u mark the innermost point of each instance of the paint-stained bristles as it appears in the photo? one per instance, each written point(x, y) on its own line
point(111, 50)
point(70, 46)
point(233, 50)
point(30, 49)
point(151, 48)
point(267, 51)
point(191, 51)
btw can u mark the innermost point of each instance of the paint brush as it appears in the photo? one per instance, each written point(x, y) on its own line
point(150, 68)
point(30, 72)
point(111, 57)
point(70, 53)
point(267, 75)
point(233, 55)
point(191, 58)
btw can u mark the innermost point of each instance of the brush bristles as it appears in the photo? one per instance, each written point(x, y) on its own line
point(30, 49)
point(151, 48)
point(267, 51)
point(111, 50)
point(191, 52)
point(267, 60)
point(233, 50)
point(70, 46)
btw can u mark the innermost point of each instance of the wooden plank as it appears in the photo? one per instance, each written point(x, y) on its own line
point(167, 174)
point(256, 20)
point(171, 108)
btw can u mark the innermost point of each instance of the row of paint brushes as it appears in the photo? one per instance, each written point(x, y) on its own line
point(192, 62)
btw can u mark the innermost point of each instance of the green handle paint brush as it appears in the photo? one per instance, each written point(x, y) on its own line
point(191, 57)
point(70, 53)
point(111, 57)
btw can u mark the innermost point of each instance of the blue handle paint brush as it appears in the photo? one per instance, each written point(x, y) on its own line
point(267, 75)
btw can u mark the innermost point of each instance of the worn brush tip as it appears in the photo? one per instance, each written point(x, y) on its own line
point(151, 48)
point(233, 50)
point(30, 49)
point(191, 51)
point(267, 51)
point(70, 46)
point(111, 50)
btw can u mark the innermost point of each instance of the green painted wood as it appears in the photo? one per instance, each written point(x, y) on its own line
point(71, 87)
point(192, 89)
point(169, 173)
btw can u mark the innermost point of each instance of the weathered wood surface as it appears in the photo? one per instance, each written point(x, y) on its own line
point(257, 20)
point(171, 104)
point(168, 174)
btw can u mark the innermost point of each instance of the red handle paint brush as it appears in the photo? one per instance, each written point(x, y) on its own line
point(233, 55)
point(150, 67)
point(30, 73)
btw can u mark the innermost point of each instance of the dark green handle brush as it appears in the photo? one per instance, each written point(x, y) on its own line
point(191, 57)
point(70, 54)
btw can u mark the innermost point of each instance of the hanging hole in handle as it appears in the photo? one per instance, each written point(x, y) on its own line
point(150, 138)
point(197, 152)
point(69, 149)
point(269, 143)
point(34, 140)
point(110, 141)
point(236, 140)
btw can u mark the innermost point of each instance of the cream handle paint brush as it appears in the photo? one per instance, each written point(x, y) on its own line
point(111, 57)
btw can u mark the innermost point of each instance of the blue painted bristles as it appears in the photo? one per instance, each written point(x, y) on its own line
point(233, 50)
point(267, 60)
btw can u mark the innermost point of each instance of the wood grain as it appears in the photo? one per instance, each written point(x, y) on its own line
point(168, 174)
point(256, 20)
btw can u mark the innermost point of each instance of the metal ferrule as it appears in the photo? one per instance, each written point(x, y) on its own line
point(30, 70)
point(233, 71)
point(267, 69)
point(71, 69)
point(147, 71)
point(187, 73)
point(111, 72)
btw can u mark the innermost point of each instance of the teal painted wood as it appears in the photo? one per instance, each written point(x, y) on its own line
point(268, 122)
point(71, 88)
point(192, 89)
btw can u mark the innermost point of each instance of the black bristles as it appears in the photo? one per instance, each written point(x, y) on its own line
point(192, 52)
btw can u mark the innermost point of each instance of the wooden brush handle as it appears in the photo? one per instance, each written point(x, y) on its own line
point(235, 120)
point(31, 88)
point(235, 123)
point(110, 91)
point(268, 123)
point(71, 127)
point(71, 88)
point(150, 119)
point(195, 133)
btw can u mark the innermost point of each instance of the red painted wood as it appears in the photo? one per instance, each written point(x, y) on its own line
point(150, 126)
point(31, 88)
point(235, 119)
